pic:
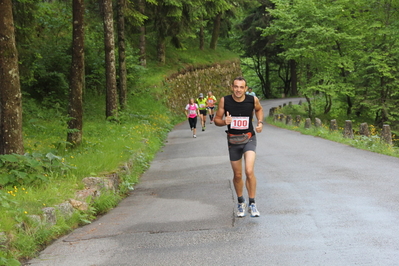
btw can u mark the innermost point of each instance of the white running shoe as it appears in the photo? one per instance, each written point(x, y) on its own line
point(194, 136)
point(253, 211)
point(241, 209)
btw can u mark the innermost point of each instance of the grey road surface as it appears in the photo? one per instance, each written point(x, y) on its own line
point(321, 203)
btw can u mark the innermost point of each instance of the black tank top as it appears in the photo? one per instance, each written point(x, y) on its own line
point(243, 111)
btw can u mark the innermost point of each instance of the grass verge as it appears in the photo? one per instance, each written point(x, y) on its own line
point(372, 143)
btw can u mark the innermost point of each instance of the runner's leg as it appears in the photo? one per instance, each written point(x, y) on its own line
point(250, 182)
point(237, 177)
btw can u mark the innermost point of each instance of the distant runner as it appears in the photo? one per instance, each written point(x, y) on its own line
point(210, 105)
point(192, 112)
point(250, 92)
point(201, 101)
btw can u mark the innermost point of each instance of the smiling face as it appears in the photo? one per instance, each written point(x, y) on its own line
point(239, 88)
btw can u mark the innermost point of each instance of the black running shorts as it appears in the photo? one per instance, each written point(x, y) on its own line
point(236, 151)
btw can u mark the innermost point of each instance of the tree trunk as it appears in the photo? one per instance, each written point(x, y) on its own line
point(11, 140)
point(142, 44)
point(201, 36)
point(161, 49)
point(75, 110)
point(122, 55)
point(310, 111)
point(142, 41)
point(259, 63)
point(294, 78)
point(216, 31)
point(343, 74)
point(328, 105)
point(349, 102)
point(268, 88)
point(110, 69)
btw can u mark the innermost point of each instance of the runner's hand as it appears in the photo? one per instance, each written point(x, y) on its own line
point(259, 128)
point(228, 118)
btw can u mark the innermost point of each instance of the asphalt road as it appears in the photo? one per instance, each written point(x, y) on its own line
point(321, 203)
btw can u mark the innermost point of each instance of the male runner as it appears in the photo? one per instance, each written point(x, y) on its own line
point(237, 110)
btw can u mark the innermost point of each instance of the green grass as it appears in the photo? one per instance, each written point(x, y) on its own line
point(136, 137)
point(372, 143)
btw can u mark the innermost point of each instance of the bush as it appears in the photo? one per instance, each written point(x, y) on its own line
point(29, 169)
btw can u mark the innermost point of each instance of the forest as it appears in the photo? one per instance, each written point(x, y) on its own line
point(343, 52)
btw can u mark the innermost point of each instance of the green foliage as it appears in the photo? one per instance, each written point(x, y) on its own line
point(94, 58)
point(29, 169)
point(251, 75)
point(45, 58)
point(339, 53)
point(4, 261)
point(6, 201)
point(50, 88)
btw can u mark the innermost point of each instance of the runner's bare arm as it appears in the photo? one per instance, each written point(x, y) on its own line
point(219, 114)
point(259, 115)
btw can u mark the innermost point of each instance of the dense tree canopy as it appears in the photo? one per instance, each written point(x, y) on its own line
point(345, 50)
point(44, 33)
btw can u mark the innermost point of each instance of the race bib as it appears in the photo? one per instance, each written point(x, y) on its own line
point(202, 105)
point(240, 122)
point(192, 112)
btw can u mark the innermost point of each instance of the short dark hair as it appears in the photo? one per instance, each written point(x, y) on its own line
point(240, 78)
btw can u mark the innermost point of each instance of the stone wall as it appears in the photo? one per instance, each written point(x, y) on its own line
point(179, 88)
